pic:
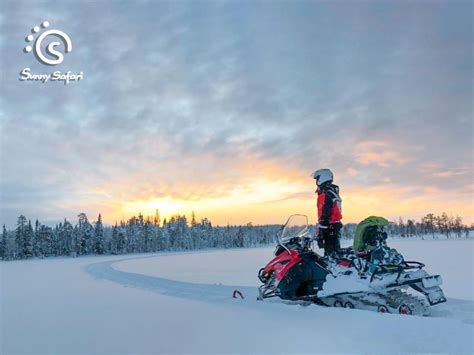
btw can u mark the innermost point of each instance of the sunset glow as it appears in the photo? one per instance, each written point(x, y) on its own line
point(226, 111)
point(271, 202)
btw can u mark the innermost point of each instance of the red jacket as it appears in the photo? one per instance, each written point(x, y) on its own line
point(329, 205)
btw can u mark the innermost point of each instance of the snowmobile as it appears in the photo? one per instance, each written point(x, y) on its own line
point(369, 275)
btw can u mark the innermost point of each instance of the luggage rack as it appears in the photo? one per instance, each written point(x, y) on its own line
point(406, 265)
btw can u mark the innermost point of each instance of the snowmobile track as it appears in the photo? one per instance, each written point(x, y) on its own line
point(194, 291)
point(462, 310)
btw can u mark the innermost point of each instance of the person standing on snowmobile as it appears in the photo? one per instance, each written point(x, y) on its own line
point(329, 211)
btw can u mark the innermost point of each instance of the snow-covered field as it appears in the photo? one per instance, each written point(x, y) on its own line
point(181, 302)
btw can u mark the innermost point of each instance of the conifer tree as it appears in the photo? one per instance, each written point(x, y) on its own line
point(99, 247)
point(3, 244)
point(36, 240)
point(20, 234)
point(156, 219)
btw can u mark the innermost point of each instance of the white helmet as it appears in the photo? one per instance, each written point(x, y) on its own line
point(322, 175)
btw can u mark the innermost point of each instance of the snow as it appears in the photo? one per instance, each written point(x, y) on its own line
point(452, 259)
point(181, 303)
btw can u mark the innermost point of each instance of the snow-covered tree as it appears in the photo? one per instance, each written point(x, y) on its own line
point(36, 240)
point(3, 244)
point(99, 247)
point(46, 241)
point(67, 235)
point(24, 238)
point(83, 233)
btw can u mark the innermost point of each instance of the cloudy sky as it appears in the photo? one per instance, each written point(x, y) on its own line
point(225, 108)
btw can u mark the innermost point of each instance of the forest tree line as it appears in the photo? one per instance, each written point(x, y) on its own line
point(137, 235)
point(143, 235)
point(431, 225)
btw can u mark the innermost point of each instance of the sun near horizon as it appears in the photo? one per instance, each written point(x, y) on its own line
point(271, 202)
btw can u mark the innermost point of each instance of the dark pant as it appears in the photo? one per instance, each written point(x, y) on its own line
point(331, 239)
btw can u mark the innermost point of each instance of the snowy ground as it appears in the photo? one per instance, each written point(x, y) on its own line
point(181, 302)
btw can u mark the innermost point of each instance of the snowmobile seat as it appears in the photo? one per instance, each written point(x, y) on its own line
point(344, 252)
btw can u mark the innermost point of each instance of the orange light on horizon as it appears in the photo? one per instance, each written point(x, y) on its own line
point(271, 202)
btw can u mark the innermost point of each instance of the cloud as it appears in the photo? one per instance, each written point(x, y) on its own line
point(189, 103)
point(380, 154)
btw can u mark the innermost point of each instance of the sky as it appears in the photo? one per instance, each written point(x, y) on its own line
point(225, 108)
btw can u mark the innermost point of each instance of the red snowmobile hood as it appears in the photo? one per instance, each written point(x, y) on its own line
point(282, 263)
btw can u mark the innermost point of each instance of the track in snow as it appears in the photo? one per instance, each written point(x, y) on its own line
point(167, 287)
point(462, 310)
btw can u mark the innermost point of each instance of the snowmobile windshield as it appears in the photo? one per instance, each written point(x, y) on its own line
point(296, 227)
